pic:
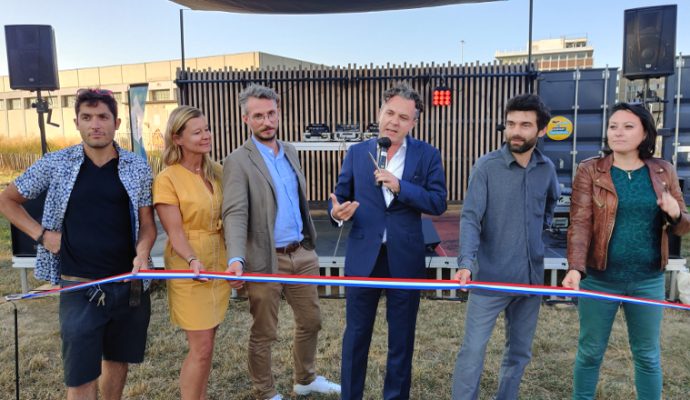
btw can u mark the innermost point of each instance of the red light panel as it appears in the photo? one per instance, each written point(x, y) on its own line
point(441, 97)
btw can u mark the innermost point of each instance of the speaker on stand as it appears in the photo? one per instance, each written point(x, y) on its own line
point(32, 65)
point(31, 57)
point(649, 44)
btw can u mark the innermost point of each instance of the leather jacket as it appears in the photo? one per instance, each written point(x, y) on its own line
point(593, 206)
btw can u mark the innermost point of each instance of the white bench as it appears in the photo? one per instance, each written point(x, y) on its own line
point(25, 263)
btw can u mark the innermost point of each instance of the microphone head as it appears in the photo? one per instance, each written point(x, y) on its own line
point(384, 142)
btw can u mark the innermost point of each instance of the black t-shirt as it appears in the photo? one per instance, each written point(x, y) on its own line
point(97, 236)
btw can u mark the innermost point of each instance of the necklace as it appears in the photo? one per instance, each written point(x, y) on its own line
point(629, 171)
point(194, 170)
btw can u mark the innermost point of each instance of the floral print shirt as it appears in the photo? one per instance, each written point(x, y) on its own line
point(57, 172)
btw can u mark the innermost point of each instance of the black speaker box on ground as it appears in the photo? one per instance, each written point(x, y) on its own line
point(649, 42)
point(31, 57)
point(431, 238)
point(23, 245)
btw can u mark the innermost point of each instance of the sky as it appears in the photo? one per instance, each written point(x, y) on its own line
point(93, 33)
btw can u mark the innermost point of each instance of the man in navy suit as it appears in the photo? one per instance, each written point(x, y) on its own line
point(386, 240)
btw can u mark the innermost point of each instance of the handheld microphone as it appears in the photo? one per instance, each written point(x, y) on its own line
point(382, 160)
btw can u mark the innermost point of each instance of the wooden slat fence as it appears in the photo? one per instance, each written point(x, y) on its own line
point(463, 131)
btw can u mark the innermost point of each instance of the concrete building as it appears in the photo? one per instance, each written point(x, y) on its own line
point(19, 120)
point(553, 54)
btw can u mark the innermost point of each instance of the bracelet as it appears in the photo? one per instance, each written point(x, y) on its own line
point(39, 239)
point(190, 259)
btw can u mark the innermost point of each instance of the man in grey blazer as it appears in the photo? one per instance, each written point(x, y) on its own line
point(268, 230)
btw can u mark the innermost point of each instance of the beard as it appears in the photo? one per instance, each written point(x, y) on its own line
point(265, 135)
point(526, 145)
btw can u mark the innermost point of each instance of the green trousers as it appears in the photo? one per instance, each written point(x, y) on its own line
point(644, 331)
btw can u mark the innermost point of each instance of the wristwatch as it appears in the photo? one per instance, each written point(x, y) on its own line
point(39, 239)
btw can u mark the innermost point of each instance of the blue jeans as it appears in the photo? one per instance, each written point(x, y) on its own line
point(521, 315)
point(644, 330)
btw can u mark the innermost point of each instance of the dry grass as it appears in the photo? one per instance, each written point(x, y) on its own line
point(33, 146)
point(438, 335)
point(7, 176)
point(19, 154)
point(439, 331)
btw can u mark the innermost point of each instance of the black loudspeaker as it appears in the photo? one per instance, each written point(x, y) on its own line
point(649, 45)
point(22, 244)
point(31, 57)
point(431, 238)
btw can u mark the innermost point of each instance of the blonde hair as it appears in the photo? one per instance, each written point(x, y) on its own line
point(172, 154)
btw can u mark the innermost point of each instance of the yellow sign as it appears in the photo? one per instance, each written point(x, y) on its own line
point(559, 128)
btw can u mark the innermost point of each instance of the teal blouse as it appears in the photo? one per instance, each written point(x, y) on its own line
point(634, 250)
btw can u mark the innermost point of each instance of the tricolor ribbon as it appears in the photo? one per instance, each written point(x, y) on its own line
point(354, 281)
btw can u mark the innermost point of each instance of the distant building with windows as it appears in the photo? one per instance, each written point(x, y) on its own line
point(19, 120)
point(553, 54)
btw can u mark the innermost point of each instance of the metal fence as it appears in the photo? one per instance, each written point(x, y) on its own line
point(462, 131)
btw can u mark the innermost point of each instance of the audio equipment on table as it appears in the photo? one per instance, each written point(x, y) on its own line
point(317, 133)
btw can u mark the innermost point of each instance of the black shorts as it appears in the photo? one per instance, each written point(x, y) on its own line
point(90, 332)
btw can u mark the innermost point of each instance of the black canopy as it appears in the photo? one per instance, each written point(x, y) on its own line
point(313, 6)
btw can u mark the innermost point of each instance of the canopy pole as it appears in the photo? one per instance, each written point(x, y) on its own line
point(530, 79)
point(183, 73)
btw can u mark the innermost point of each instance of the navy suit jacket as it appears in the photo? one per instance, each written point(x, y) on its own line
point(422, 190)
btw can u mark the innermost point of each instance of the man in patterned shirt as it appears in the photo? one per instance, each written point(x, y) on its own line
point(97, 222)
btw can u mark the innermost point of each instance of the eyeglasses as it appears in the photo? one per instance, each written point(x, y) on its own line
point(260, 118)
point(99, 92)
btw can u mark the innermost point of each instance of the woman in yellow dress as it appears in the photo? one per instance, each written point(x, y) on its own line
point(188, 196)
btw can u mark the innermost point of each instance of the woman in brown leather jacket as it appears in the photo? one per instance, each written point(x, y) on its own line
point(622, 206)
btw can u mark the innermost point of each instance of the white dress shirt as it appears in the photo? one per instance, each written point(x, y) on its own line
point(395, 166)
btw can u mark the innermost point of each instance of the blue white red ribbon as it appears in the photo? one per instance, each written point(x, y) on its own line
point(353, 281)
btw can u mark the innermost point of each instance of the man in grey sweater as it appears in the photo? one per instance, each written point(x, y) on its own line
point(510, 200)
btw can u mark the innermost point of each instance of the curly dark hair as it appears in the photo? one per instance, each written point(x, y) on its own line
point(93, 96)
point(530, 102)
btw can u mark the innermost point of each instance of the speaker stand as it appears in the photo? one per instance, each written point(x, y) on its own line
point(16, 351)
point(42, 107)
point(645, 91)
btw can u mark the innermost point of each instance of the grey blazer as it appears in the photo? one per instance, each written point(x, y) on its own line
point(249, 207)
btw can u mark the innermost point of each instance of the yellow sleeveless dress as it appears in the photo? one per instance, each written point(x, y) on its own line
point(195, 305)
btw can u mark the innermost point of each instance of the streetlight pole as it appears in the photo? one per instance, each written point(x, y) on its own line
point(530, 79)
point(462, 52)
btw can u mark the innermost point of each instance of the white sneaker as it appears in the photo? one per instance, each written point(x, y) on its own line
point(319, 385)
point(276, 397)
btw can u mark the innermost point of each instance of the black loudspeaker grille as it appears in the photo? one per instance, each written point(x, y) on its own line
point(22, 244)
point(31, 58)
point(649, 42)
